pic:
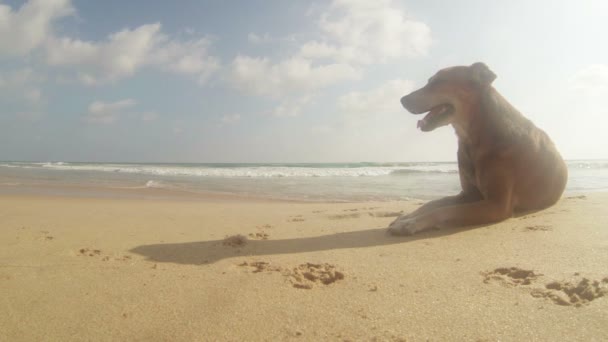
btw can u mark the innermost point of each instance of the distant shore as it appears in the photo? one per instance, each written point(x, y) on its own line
point(79, 268)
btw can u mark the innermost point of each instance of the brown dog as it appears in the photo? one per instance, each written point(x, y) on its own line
point(505, 162)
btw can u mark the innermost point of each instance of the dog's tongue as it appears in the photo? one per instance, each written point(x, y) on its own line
point(428, 118)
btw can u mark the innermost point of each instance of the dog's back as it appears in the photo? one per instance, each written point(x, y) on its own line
point(539, 171)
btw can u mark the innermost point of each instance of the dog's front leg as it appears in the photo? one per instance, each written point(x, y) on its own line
point(485, 211)
point(463, 197)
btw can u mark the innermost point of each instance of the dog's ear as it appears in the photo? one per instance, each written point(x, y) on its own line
point(482, 74)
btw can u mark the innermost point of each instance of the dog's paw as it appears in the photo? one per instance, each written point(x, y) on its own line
point(404, 226)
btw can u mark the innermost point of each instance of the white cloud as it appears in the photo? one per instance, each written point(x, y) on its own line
point(125, 52)
point(314, 49)
point(27, 28)
point(592, 79)
point(321, 129)
point(32, 95)
point(100, 112)
point(266, 38)
point(148, 116)
point(259, 76)
point(578, 114)
point(353, 34)
point(381, 100)
point(21, 86)
point(178, 127)
point(20, 77)
point(230, 119)
point(587, 96)
point(187, 57)
point(254, 38)
point(108, 112)
point(291, 107)
point(32, 115)
point(120, 56)
point(360, 31)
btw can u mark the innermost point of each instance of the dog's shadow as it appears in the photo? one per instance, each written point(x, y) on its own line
point(206, 252)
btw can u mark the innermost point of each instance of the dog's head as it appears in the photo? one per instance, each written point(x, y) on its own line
point(449, 95)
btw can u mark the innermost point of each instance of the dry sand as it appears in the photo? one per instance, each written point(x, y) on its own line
point(129, 269)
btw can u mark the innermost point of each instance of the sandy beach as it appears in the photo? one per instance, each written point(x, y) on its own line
point(74, 269)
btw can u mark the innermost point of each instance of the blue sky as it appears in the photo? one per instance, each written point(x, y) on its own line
point(284, 81)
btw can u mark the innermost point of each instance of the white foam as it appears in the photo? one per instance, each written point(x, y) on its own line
point(269, 171)
point(154, 184)
point(587, 164)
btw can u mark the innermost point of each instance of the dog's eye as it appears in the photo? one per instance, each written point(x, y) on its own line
point(434, 80)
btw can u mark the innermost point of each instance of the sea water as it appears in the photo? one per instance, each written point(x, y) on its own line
point(312, 182)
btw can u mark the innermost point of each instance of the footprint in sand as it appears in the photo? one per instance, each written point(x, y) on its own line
point(304, 276)
point(261, 266)
point(235, 240)
point(386, 213)
point(510, 276)
point(27, 234)
point(576, 294)
point(538, 227)
point(296, 218)
point(44, 235)
point(259, 236)
point(261, 233)
point(343, 216)
point(88, 252)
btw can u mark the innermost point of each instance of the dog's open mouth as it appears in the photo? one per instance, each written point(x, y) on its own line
point(436, 117)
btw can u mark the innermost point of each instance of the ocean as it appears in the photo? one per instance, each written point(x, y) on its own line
point(306, 182)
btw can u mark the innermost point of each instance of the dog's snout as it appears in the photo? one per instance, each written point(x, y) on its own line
point(410, 104)
point(404, 101)
point(416, 102)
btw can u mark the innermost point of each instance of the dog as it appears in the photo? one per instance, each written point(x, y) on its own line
point(506, 164)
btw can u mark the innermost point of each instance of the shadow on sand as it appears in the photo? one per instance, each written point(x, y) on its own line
point(205, 252)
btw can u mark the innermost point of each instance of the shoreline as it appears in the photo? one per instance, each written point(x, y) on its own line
point(134, 193)
point(34, 190)
point(129, 269)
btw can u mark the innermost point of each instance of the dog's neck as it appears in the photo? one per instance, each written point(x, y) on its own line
point(466, 131)
point(461, 132)
point(482, 121)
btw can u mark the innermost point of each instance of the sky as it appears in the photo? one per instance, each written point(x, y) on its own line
point(285, 81)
